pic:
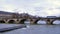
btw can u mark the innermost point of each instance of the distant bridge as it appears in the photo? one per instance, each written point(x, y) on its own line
point(32, 20)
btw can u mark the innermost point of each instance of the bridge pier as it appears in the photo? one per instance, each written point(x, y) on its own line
point(50, 21)
point(6, 22)
point(21, 21)
point(17, 21)
point(33, 21)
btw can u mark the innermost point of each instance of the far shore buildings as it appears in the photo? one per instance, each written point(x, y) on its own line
point(51, 17)
point(5, 14)
point(22, 15)
point(15, 15)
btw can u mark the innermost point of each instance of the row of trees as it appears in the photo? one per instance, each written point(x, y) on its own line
point(23, 15)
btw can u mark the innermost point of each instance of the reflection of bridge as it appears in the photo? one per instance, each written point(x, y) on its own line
point(32, 21)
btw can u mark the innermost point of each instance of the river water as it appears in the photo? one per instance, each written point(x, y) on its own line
point(36, 29)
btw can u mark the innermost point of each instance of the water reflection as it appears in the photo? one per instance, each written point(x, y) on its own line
point(56, 22)
point(37, 29)
point(41, 22)
point(27, 22)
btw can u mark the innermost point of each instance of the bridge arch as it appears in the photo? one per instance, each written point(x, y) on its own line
point(24, 21)
point(36, 21)
point(11, 21)
point(41, 22)
point(2, 21)
point(56, 22)
point(27, 21)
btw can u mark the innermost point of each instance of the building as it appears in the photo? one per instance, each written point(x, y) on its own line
point(51, 17)
point(5, 14)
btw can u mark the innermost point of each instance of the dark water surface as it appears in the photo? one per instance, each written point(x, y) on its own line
point(37, 29)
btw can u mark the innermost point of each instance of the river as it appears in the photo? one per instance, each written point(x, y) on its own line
point(36, 29)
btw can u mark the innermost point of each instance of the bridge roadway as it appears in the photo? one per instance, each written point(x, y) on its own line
point(32, 21)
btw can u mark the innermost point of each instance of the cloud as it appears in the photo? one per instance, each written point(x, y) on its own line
point(33, 7)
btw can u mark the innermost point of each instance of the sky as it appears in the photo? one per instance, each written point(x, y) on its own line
point(33, 7)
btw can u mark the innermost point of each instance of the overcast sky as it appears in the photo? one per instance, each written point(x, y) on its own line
point(33, 7)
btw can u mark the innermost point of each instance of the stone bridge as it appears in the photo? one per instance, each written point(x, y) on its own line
point(32, 21)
